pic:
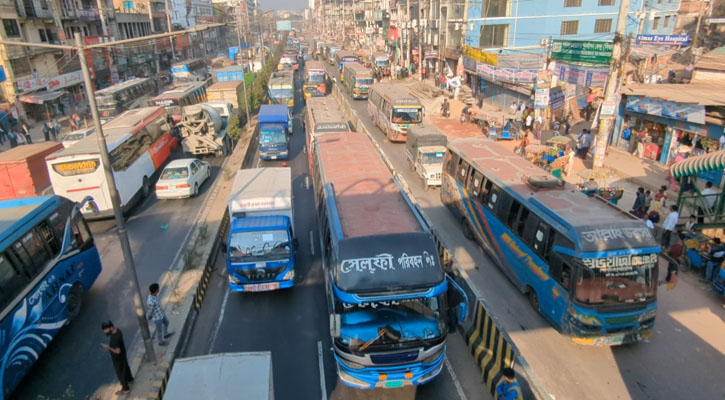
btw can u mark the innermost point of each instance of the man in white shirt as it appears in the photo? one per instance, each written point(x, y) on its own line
point(722, 142)
point(669, 225)
point(710, 196)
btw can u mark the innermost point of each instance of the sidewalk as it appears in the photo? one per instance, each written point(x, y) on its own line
point(36, 129)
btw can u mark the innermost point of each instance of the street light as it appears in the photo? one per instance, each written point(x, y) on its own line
point(106, 161)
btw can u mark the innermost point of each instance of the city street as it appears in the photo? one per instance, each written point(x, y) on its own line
point(687, 338)
point(74, 365)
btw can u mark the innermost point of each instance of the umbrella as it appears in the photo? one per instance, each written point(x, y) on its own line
point(591, 174)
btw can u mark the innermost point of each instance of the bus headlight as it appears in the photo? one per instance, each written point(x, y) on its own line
point(289, 275)
point(350, 364)
point(233, 279)
point(433, 356)
point(584, 326)
point(646, 316)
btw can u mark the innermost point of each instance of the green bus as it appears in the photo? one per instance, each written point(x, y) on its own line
point(357, 79)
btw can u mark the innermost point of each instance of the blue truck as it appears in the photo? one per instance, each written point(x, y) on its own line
point(275, 127)
point(261, 246)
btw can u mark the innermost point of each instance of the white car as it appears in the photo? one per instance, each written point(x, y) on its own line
point(74, 137)
point(182, 178)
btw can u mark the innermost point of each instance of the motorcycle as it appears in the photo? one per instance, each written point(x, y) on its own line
point(445, 111)
point(465, 117)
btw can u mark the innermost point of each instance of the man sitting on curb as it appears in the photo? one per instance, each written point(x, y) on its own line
point(508, 389)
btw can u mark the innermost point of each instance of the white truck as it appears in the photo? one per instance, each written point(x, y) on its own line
point(261, 245)
point(222, 376)
point(203, 129)
point(425, 148)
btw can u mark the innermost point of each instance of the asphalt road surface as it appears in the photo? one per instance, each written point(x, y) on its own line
point(293, 323)
point(74, 365)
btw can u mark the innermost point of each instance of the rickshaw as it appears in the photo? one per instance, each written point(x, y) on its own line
point(611, 194)
point(508, 130)
point(560, 142)
point(697, 248)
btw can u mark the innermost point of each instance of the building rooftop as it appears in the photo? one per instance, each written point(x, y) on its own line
point(706, 93)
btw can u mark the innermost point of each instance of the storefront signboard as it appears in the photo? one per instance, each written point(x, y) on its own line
point(26, 85)
point(521, 61)
point(480, 56)
point(585, 51)
point(65, 80)
point(541, 99)
point(556, 97)
point(495, 74)
point(582, 76)
point(608, 108)
point(694, 113)
point(674, 40)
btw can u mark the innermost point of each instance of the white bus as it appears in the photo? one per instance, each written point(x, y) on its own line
point(394, 110)
point(139, 143)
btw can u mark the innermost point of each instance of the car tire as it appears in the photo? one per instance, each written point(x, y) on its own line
point(196, 190)
point(146, 187)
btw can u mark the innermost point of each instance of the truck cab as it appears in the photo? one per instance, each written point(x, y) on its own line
point(261, 245)
point(275, 128)
point(425, 149)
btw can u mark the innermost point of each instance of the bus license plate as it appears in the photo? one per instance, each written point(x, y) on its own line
point(261, 287)
point(273, 157)
point(393, 384)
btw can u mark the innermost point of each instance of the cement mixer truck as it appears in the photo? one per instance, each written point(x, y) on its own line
point(203, 129)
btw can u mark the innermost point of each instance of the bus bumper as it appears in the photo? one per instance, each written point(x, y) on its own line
point(389, 377)
point(262, 286)
point(281, 155)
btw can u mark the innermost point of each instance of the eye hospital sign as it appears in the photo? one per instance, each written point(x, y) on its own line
point(675, 40)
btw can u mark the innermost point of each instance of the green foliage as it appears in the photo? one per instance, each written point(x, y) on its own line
point(233, 129)
point(257, 92)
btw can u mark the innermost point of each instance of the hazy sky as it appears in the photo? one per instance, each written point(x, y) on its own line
point(282, 4)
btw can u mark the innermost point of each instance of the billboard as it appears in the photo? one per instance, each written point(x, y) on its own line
point(284, 25)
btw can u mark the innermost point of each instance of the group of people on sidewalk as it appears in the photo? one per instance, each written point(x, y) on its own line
point(15, 136)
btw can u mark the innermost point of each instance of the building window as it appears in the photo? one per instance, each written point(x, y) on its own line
point(572, 3)
point(606, 2)
point(11, 28)
point(667, 22)
point(603, 26)
point(569, 27)
point(656, 23)
point(43, 38)
point(21, 66)
point(496, 8)
point(493, 36)
point(44, 4)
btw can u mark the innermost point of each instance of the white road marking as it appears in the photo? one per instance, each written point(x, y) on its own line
point(312, 243)
point(456, 383)
point(219, 322)
point(323, 387)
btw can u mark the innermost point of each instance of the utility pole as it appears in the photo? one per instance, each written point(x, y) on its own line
point(171, 38)
point(464, 29)
point(244, 78)
point(612, 87)
point(696, 36)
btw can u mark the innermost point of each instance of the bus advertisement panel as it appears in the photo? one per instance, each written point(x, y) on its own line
point(133, 93)
point(357, 79)
point(139, 143)
point(587, 267)
point(48, 261)
point(282, 89)
point(394, 110)
point(386, 290)
point(177, 96)
point(316, 82)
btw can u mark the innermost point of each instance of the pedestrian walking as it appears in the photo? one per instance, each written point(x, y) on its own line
point(509, 389)
point(46, 130)
point(584, 141)
point(26, 133)
point(570, 163)
point(156, 314)
point(117, 349)
point(3, 135)
point(523, 144)
point(590, 104)
point(638, 206)
point(57, 130)
point(669, 225)
point(647, 200)
point(674, 256)
point(13, 139)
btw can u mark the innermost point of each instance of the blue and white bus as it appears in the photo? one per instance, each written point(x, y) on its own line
point(586, 266)
point(47, 261)
point(388, 296)
point(194, 70)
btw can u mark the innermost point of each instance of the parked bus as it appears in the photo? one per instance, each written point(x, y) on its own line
point(322, 116)
point(382, 61)
point(282, 88)
point(316, 81)
point(180, 95)
point(48, 260)
point(343, 57)
point(588, 267)
point(139, 143)
point(386, 288)
point(289, 60)
point(357, 79)
point(194, 70)
point(394, 110)
point(133, 93)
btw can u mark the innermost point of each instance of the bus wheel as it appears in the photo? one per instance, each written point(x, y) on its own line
point(534, 300)
point(75, 301)
point(146, 187)
point(466, 229)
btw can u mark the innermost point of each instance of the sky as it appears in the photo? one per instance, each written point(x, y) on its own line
point(282, 4)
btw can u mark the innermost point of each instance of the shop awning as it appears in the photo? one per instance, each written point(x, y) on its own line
point(691, 166)
point(40, 97)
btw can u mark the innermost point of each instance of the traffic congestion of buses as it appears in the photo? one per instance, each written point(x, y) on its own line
point(390, 302)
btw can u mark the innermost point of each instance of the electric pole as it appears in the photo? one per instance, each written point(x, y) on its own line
point(239, 53)
point(696, 36)
point(612, 86)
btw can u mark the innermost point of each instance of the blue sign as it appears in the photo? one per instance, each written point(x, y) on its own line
point(3, 77)
point(233, 52)
point(675, 40)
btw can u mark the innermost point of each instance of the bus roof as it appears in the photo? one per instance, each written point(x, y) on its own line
point(326, 115)
point(13, 214)
point(123, 85)
point(281, 78)
point(592, 221)
point(359, 69)
point(115, 131)
point(344, 53)
point(226, 85)
point(314, 64)
point(178, 90)
point(189, 61)
point(396, 96)
point(368, 201)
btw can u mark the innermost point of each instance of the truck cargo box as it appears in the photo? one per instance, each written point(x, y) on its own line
point(23, 171)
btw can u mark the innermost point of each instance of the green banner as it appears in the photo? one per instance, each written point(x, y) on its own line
point(584, 51)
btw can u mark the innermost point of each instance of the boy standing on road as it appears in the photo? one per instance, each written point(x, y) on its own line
point(156, 313)
point(508, 389)
point(117, 349)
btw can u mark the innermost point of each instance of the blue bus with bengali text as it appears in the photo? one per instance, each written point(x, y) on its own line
point(48, 260)
point(585, 265)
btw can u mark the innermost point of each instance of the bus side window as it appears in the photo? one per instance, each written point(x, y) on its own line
point(35, 255)
point(49, 238)
point(12, 282)
point(81, 233)
point(504, 206)
point(541, 238)
point(532, 222)
point(452, 160)
point(462, 172)
point(565, 278)
point(476, 183)
point(493, 197)
point(486, 192)
point(513, 213)
point(549, 243)
point(522, 222)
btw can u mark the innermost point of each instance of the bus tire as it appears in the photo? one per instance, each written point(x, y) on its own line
point(146, 187)
point(534, 299)
point(75, 301)
point(467, 232)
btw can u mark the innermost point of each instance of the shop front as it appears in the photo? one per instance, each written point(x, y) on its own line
point(500, 86)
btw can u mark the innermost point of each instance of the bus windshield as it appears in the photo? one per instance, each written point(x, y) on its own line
point(315, 78)
point(258, 246)
point(272, 137)
point(406, 115)
point(363, 82)
point(280, 93)
point(615, 285)
point(106, 100)
point(398, 322)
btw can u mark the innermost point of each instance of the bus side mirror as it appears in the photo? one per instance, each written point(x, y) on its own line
point(335, 325)
point(223, 247)
point(461, 294)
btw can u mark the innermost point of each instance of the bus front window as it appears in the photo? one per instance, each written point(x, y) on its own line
point(407, 115)
point(315, 78)
point(601, 284)
point(361, 82)
point(106, 100)
point(280, 93)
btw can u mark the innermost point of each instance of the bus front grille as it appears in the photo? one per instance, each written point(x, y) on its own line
point(394, 358)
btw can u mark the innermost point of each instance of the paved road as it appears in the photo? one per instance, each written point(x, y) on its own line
point(293, 323)
point(74, 366)
point(683, 359)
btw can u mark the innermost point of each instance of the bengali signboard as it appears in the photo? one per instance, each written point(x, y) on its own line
point(65, 80)
point(496, 74)
point(284, 25)
point(583, 76)
point(584, 51)
point(677, 40)
point(556, 97)
point(521, 61)
point(689, 112)
point(480, 56)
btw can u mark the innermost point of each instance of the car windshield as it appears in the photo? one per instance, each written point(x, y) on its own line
point(106, 100)
point(280, 93)
point(363, 82)
point(258, 246)
point(615, 280)
point(316, 78)
point(435, 157)
point(272, 137)
point(175, 173)
point(407, 115)
point(366, 326)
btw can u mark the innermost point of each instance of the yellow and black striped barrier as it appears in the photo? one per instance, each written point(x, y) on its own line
point(161, 380)
point(209, 267)
point(489, 346)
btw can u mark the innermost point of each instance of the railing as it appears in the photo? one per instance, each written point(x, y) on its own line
point(699, 205)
